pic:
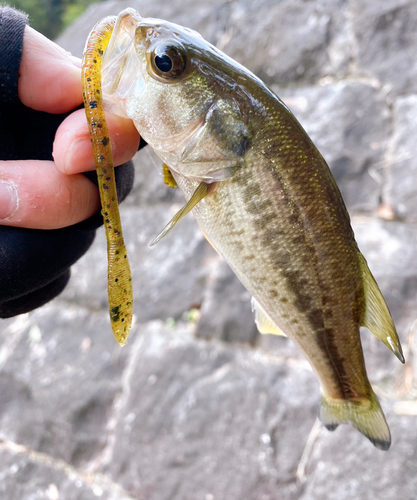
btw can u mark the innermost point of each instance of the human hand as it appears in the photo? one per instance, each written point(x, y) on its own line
point(45, 194)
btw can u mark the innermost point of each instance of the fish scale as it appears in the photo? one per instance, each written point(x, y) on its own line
point(292, 303)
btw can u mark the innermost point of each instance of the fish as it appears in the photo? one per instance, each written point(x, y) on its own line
point(265, 199)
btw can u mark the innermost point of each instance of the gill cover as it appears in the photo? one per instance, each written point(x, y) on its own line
point(165, 78)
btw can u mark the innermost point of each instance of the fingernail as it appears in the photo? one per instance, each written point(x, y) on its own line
point(9, 200)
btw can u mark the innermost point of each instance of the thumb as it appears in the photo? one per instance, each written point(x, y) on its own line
point(35, 194)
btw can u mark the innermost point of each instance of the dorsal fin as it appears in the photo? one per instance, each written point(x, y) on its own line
point(263, 321)
point(377, 317)
point(198, 195)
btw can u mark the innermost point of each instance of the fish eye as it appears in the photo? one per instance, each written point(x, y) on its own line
point(168, 61)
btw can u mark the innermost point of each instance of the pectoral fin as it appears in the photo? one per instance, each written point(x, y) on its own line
point(263, 321)
point(168, 177)
point(198, 195)
point(377, 317)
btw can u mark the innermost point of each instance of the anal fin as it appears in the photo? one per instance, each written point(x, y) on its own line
point(263, 321)
point(377, 317)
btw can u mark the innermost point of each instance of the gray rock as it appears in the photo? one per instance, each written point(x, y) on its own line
point(60, 376)
point(360, 471)
point(261, 36)
point(401, 167)
point(211, 421)
point(386, 42)
point(226, 312)
point(26, 474)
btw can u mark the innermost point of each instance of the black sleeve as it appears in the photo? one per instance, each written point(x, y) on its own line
point(35, 264)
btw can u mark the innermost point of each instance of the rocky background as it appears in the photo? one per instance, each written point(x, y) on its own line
point(197, 406)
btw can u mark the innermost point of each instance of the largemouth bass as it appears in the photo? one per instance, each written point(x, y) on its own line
point(265, 199)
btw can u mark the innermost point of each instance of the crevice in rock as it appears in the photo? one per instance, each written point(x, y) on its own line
point(116, 412)
point(389, 154)
point(302, 476)
point(353, 41)
point(96, 481)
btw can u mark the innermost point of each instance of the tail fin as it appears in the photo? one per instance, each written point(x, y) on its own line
point(365, 415)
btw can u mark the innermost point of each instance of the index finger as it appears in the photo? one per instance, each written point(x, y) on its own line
point(50, 77)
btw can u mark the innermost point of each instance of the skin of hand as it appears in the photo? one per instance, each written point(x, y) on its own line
point(53, 194)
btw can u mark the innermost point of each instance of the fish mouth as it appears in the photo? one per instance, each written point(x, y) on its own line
point(122, 68)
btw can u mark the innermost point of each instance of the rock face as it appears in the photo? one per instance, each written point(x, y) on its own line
point(198, 406)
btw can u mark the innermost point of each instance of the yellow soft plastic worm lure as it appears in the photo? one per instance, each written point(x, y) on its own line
point(119, 275)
